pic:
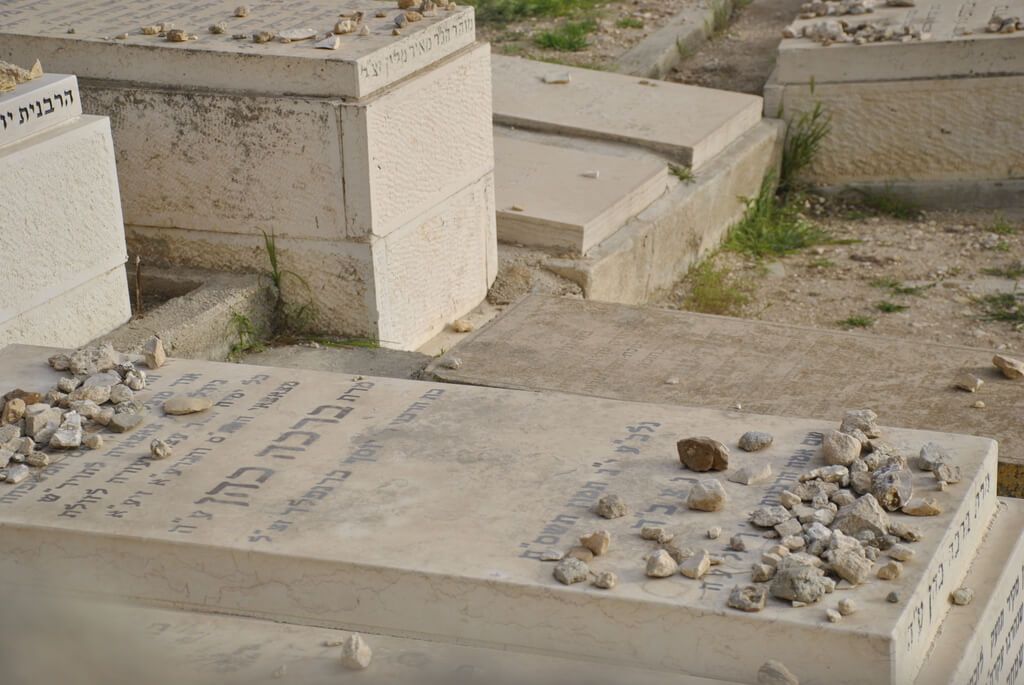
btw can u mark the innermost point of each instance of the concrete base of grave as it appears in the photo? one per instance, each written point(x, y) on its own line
point(942, 142)
point(653, 249)
point(61, 240)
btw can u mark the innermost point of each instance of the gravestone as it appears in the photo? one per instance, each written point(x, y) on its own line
point(372, 164)
point(935, 112)
point(418, 509)
point(633, 353)
point(62, 239)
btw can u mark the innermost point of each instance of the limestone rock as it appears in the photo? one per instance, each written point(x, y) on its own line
point(962, 596)
point(59, 362)
point(355, 653)
point(656, 533)
point(922, 506)
point(462, 326)
point(123, 423)
point(39, 416)
point(17, 473)
point(737, 544)
point(893, 597)
point(135, 379)
point(68, 383)
point(582, 553)
point(660, 564)
point(842, 498)
point(696, 566)
point(707, 495)
point(905, 532)
point(860, 420)
point(865, 514)
point(774, 673)
point(69, 435)
point(159, 449)
point(242, 11)
point(93, 441)
point(947, 473)
point(92, 360)
point(219, 28)
point(840, 448)
point(679, 554)
point(931, 455)
point(789, 499)
point(968, 382)
point(748, 597)
point(611, 507)
point(847, 607)
point(606, 580)
point(893, 487)
point(105, 415)
point(799, 583)
point(14, 410)
point(762, 573)
point(751, 474)
point(755, 441)
point(597, 542)
point(978, 405)
point(1011, 368)
point(181, 405)
point(714, 532)
point(769, 516)
point(153, 352)
point(890, 571)
point(9, 432)
point(121, 393)
point(99, 394)
point(900, 552)
point(571, 570)
point(703, 454)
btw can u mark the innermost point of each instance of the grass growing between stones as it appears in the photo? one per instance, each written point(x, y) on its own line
point(630, 23)
point(504, 11)
point(887, 307)
point(896, 287)
point(856, 321)
point(569, 37)
point(249, 339)
point(1005, 307)
point(887, 203)
point(683, 173)
point(714, 290)
point(804, 137)
point(1002, 227)
point(773, 226)
point(1014, 270)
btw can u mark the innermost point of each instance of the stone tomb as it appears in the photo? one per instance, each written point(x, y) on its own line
point(417, 509)
point(61, 234)
point(372, 163)
point(658, 355)
point(561, 197)
point(933, 115)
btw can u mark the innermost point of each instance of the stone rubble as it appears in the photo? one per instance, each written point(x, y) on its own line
point(597, 542)
point(611, 507)
point(703, 454)
point(748, 597)
point(696, 566)
point(707, 495)
point(11, 75)
point(660, 564)
point(355, 653)
point(571, 570)
point(605, 580)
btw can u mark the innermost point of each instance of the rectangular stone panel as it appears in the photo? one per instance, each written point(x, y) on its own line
point(37, 105)
point(630, 353)
point(957, 45)
point(42, 29)
point(419, 509)
point(560, 197)
point(690, 123)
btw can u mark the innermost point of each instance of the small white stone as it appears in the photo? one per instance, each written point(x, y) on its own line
point(660, 564)
point(355, 653)
point(714, 532)
point(962, 596)
point(158, 449)
point(560, 77)
point(329, 43)
point(847, 607)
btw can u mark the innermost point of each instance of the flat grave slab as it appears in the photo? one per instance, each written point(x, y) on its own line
point(40, 29)
point(625, 352)
point(559, 197)
point(418, 509)
point(957, 45)
point(689, 123)
point(31, 107)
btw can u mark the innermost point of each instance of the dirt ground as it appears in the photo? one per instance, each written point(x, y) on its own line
point(929, 274)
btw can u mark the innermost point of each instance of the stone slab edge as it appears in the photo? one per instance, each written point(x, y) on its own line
point(40, 104)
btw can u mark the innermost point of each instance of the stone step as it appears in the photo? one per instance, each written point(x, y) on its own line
point(552, 196)
point(418, 509)
point(630, 353)
point(689, 123)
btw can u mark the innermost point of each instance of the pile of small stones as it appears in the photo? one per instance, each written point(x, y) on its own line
point(1000, 24)
point(98, 392)
point(11, 75)
point(840, 31)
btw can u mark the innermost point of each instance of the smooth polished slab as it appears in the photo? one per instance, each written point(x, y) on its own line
point(628, 353)
point(42, 29)
point(419, 509)
point(35, 106)
point(957, 45)
point(559, 197)
point(689, 123)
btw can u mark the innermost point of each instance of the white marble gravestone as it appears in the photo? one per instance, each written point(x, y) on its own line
point(421, 510)
point(62, 278)
point(372, 164)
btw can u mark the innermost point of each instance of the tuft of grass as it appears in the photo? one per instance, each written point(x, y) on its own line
point(804, 137)
point(505, 11)
point(1002, 246)
point(683, 173)
point(1007, 307)
point(857, 321)
point(713, 290)
point(569, 37)
point(772, 226)
point(887, 203)
point(249, 339)
point(721, 13)
point(288, 316)
point(888, 307)
point(685, 49)
point(630, 23)
point(1002, 227)
point(821, 263)
point(1014, 270)
point(896, 287)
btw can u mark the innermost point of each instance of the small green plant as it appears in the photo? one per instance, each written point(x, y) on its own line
point(685, 49)
point(888, 307)
point(896, 287)
point(1002, 246)
point(630, 23)
point(803, 141)
point(721, 13)
point(888, 203)
point(713, 290)
point(505, 11)
point(682, 172)
point(248, 336)
point(287, 316)
point(1007, 307)
point(1014, 270)
point(569, 37)
point(857, 321)
point(821, 263)
point(772, 226)
point(1002, 227)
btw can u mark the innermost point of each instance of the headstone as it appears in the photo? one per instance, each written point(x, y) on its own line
point(423, 509)
point(656, 355)
point(62, 281)
point(372, 164)
point(688, 123)
point(553, 196)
